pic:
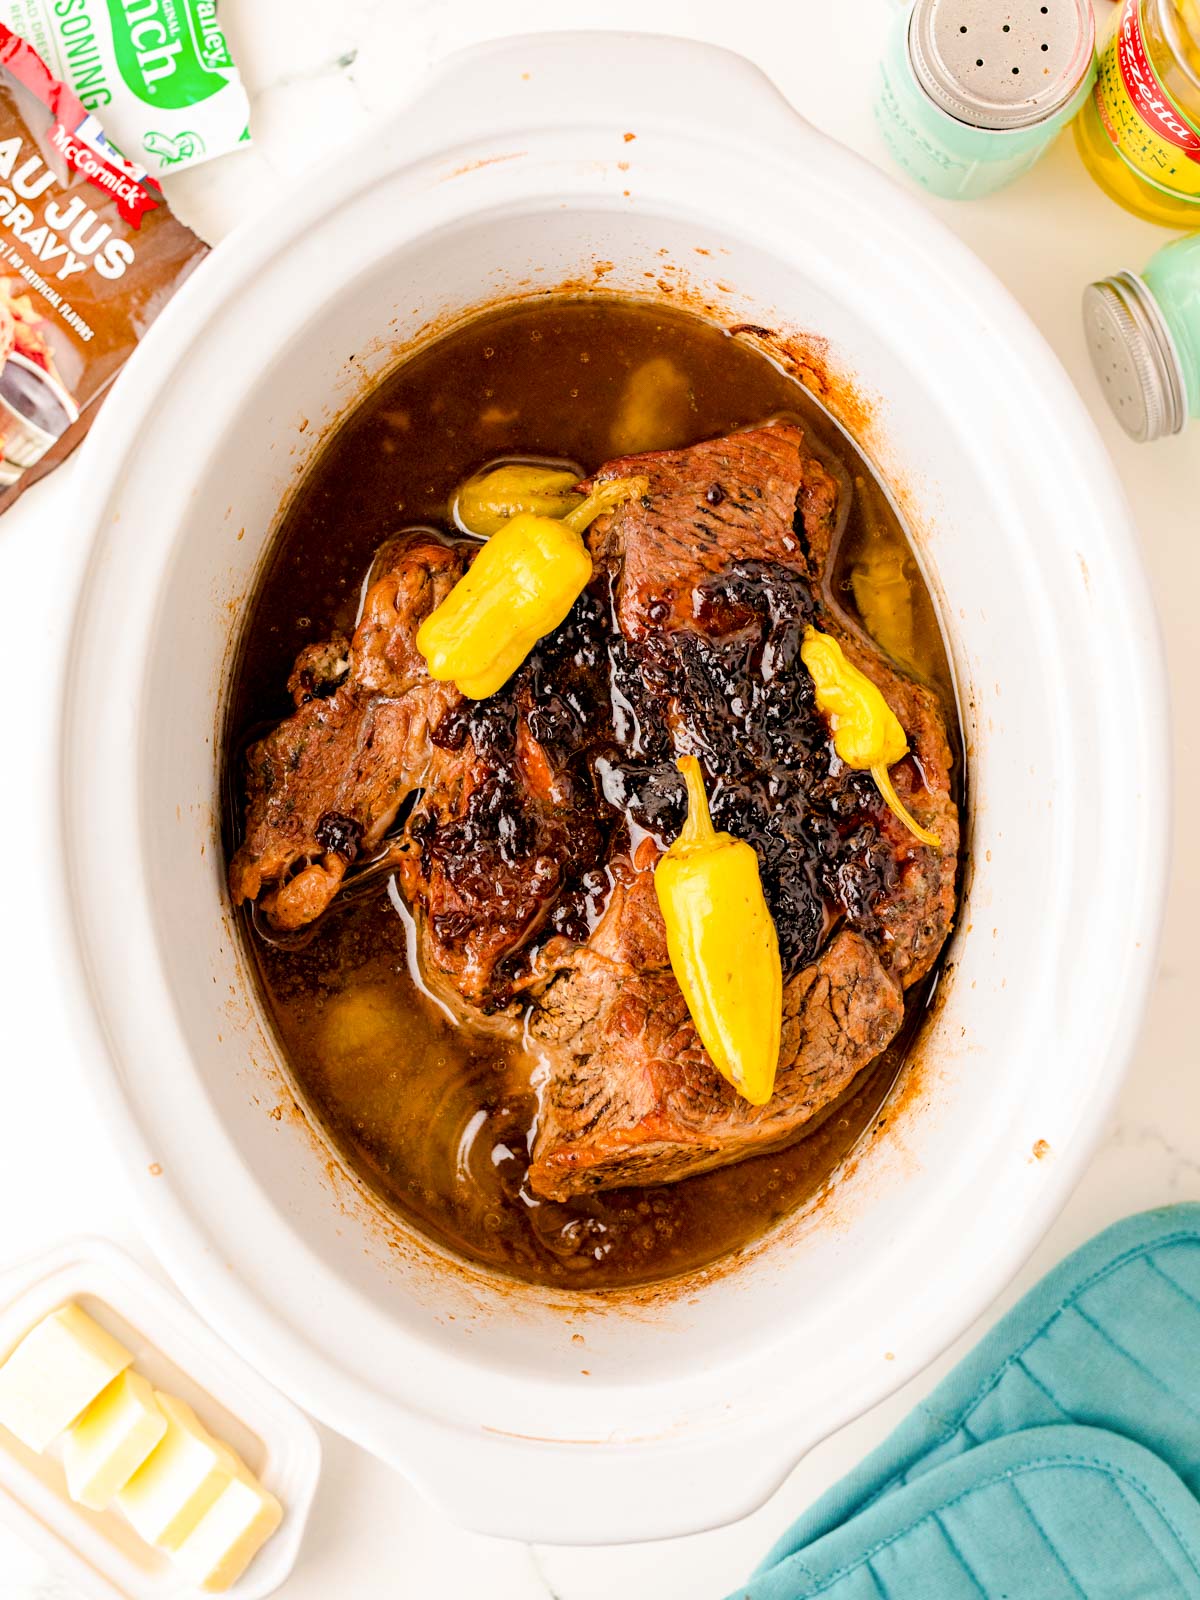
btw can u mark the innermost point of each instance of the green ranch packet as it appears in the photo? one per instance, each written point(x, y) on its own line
point(158, 73)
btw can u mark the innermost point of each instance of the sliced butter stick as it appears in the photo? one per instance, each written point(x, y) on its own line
point(180, 1479)
point(229, 1534)
point(55, 1372)
point(111, 1440)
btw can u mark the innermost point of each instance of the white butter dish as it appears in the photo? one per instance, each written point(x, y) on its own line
point(99, 1551)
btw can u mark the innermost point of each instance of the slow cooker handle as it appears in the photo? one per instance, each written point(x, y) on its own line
point(551, 1492)
point(642, 82)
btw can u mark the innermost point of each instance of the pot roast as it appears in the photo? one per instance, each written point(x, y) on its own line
point(523, 830)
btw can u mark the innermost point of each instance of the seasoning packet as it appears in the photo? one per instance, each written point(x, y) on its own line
point(159, 72)
point(89, 255)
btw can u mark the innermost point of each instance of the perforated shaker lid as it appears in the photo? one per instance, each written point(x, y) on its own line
point(1135, 357)
point(1001, 66)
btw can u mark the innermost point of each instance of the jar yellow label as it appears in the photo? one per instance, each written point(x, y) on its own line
point(1152, 134)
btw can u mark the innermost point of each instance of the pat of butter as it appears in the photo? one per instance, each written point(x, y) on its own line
point(112, 1438)
point(229, 1534)
point(179, 1481)
point(55, 1372)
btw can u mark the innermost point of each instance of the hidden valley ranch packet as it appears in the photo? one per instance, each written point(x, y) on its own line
point(157, 73)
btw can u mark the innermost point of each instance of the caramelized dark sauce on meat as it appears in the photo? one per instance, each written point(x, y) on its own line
point(747, 699)
point(437, 1118)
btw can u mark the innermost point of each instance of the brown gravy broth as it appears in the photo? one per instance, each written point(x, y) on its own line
point(436, 1118)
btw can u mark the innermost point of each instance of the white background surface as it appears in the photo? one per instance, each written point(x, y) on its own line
point(318, 71)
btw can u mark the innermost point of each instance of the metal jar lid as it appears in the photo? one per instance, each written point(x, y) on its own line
point(1135, 357)
point(1001, 66)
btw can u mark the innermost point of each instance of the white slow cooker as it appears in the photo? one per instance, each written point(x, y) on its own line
point(523, 1412)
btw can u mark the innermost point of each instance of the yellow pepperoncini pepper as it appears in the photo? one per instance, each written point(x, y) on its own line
point(487, 501)
point(866, 731)
point(518, 589)
point(722, 944)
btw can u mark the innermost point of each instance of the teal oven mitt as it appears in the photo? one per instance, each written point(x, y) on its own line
point(1060, 1458)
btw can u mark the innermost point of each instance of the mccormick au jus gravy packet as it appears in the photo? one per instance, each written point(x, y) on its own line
point(89, 255)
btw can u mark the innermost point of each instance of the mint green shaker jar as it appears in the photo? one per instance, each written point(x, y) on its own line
point(973, 92)
point(1144, 337)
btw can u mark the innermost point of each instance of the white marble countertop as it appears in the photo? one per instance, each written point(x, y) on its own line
point(319, 71)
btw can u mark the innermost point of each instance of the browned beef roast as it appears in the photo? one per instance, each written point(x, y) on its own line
point(372, 730)
point(326, 785)
point(537, 816)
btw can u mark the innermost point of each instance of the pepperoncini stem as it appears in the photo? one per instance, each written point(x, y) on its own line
point(883, 782)
point(697, 826)
point(722, 945)
point(605, 497)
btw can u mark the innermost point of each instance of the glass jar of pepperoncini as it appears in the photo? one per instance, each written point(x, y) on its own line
point(1139, 133)
point(1144, 336)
